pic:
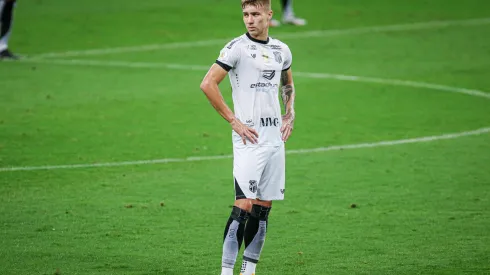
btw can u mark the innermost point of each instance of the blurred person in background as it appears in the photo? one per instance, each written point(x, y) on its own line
point(288, 16)
point(6, 18)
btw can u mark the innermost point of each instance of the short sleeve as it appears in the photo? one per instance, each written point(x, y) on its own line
point(229, 56)
point(288, 59)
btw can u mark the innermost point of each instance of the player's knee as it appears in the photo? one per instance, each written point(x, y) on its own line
point(260, 212)
point(245, 204)
point(263, 203)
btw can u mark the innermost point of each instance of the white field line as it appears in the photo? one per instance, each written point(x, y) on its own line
point(205, 158)
point(154, 65)
point(395, 82)
point(392, 142)
point(295, 35)
point(121, 64)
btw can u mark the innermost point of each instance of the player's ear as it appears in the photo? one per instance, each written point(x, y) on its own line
point(269, 15)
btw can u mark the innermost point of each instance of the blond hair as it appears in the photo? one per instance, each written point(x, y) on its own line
point(257, 3)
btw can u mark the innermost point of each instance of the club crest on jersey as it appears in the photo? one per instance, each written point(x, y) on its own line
point(278, 57)
point(253, 55)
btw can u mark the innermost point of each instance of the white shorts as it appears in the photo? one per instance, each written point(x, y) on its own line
point(259, 172)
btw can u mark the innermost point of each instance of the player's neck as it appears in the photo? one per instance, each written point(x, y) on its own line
point(262, 38)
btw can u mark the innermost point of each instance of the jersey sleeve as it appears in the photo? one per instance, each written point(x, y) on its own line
point(229, 56)
point(288, 59)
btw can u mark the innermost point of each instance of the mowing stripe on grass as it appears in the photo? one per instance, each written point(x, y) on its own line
point(156, 65)
point(295, 35)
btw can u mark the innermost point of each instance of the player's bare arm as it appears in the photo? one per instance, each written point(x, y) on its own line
point(288, 95)
point(210, 87)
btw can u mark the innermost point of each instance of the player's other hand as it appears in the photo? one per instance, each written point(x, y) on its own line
point(287, 126)
point(244, 131)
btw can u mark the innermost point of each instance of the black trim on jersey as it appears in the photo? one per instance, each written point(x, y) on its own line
point(256, 40)
point(223, 65)
point(287, 69)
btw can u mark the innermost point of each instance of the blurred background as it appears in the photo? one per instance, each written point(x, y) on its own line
point(112, 161)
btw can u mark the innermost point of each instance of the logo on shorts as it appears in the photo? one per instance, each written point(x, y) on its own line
point(282, 191)
point(253, 186)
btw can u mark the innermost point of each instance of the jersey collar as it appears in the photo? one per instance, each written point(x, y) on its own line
point(257, 40)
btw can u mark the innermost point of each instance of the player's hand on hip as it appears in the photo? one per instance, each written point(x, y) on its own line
point(244, 131)
point(287, 126)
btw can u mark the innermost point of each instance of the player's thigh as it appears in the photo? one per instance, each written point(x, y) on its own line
point(273, 178)
point(248, 164)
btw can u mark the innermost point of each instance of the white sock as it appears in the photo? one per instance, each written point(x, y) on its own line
point(248, 268)
point(226, 271)
point(3, 42)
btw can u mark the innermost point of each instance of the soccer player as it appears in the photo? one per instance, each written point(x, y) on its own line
point(258, 66)
point(6, 16)
point(288, 16)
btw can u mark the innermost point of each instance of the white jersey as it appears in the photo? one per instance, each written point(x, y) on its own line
point(254, 68)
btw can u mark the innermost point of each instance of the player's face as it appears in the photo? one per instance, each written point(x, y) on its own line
point(256, 19)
